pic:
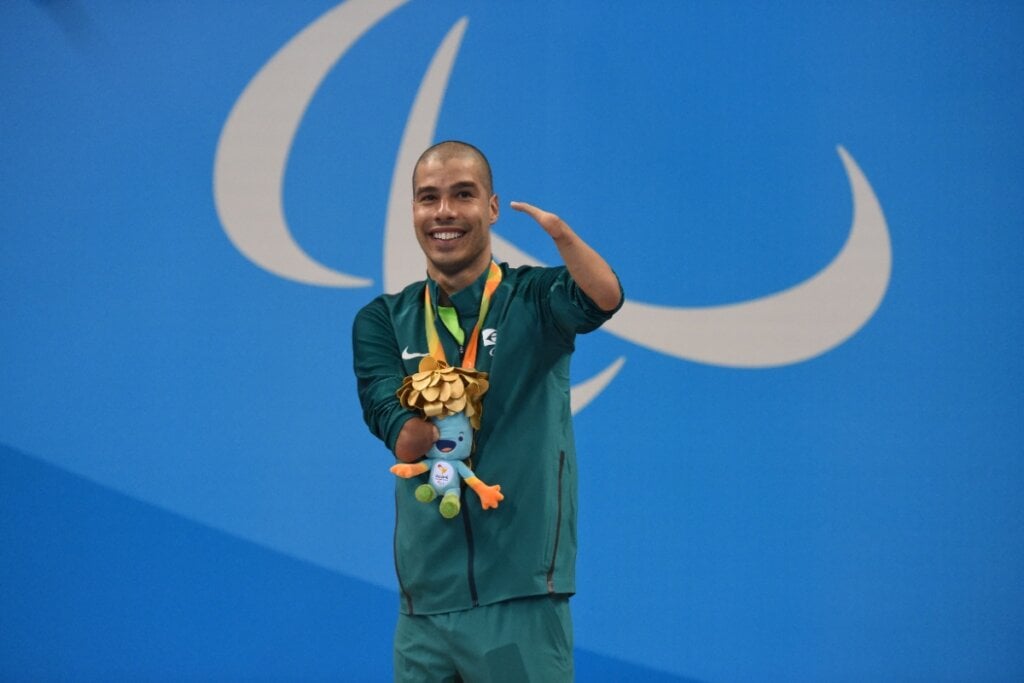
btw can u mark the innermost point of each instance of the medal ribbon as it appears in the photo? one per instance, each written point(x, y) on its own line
point(434, 340)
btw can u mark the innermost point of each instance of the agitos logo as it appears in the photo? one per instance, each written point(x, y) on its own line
point(786, 327)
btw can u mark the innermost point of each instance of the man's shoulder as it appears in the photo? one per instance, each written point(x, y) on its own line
point(516, 276)
point(526, 274)
point(533, 282)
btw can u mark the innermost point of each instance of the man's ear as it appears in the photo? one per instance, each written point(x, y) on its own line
point(494, 204)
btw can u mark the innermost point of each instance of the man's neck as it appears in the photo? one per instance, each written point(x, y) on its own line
point(450, 283)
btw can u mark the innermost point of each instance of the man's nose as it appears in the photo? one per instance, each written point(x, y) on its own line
point(445, 208)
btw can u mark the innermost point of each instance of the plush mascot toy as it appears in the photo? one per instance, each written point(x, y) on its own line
point(450, 398)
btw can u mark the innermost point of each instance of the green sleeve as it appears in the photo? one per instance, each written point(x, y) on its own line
point(379, 372)
point(569, 306)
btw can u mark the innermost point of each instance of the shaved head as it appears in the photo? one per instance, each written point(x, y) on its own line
point(450, 149)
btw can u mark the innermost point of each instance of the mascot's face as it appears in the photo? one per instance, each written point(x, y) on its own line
point(456, 440)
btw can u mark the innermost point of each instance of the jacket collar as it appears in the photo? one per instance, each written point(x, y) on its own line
point(466, 301)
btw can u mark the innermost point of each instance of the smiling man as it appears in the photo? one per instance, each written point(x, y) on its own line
point(484, 595)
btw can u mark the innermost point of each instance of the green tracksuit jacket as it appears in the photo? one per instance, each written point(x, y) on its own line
point(527, 546)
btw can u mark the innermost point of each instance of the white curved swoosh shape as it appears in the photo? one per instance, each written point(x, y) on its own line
point(586, 391)
point(252, 152)
point(788, 327)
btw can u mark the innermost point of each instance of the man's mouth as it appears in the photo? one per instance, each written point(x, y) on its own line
point(446, 235)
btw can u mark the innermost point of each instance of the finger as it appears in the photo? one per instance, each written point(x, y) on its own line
point(526, 208)
point(546, 219)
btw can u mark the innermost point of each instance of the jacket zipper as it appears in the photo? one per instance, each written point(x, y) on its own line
point(470, 575)
point(558, 524)
point(470, 548)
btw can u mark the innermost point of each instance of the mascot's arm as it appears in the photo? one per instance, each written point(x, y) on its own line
point(489, 495)
point(408, 470)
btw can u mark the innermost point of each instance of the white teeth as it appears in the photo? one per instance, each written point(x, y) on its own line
point(446, 235)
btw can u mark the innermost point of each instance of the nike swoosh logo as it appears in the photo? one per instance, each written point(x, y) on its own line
point(409, 355)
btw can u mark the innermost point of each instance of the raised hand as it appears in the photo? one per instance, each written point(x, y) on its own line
point(591, 272)
point(552, 224)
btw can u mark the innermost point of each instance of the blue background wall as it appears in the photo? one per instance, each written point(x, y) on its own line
point(187, 489)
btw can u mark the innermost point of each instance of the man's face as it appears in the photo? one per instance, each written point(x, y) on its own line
point(452, 212)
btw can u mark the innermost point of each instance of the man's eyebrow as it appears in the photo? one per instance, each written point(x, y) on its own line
point(463, 184)
point(460, 185)
point(425, 188)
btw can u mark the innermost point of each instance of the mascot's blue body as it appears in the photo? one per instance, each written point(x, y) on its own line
point(446, 468)
point(450, 398)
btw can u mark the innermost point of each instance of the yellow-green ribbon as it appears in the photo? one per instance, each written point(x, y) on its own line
point(434, 339)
